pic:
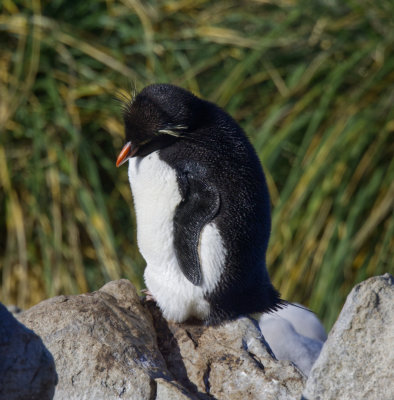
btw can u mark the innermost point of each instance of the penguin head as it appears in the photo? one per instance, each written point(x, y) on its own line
point(157, 117)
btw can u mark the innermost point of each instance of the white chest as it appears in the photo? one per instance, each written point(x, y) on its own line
point(156, 196)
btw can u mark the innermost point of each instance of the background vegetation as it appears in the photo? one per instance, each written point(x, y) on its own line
point(312, 84)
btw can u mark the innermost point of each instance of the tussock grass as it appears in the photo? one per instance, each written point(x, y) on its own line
point(312, 83)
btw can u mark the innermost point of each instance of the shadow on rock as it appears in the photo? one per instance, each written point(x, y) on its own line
point(27, 368)
point(171, 352)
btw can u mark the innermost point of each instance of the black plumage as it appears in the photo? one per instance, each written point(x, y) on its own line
point(221, 180)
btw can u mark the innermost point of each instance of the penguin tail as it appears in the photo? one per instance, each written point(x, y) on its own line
point(289, 303)
point(280, 305)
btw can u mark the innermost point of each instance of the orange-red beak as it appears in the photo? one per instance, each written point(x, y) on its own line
point(127, 152)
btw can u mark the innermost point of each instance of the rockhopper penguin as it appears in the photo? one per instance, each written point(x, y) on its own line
point(202, 207)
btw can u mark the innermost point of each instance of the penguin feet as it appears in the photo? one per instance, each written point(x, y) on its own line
point(148, 295)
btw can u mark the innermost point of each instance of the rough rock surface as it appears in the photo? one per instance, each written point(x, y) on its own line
point(226, 362)
point(27, 369)
point(103, 343)
point(357, 360)
point(109, 345)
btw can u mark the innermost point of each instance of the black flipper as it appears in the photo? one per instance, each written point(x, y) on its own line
point(200, 204)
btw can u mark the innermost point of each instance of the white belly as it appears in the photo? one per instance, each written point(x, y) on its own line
point(156, 195)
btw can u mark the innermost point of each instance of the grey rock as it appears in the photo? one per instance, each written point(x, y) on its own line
point(170, 390)
point(230, 361)
point(109, 344)
point(13, 309)
point(27, 369)
point(103, 343)
point(357, 360)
